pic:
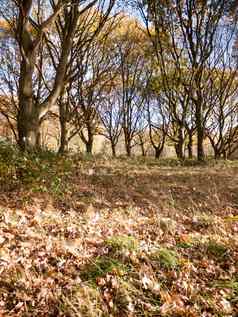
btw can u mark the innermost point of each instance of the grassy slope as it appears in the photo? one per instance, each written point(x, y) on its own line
point(121, 238)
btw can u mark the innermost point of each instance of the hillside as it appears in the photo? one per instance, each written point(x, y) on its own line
point(91, 237)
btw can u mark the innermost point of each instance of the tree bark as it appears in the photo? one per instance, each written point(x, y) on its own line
point(89, 147)
point(217, 154)
point(128, 149)
point(224, 154)
point(200, 130)
point(158, 152)
point(28, 119)
point(63, 127)
point(179, 149)
point(113, 147)
point(63, 138)
point(127, 143)
point(142, 146)
point(28, 125)
point(88, 141)
point(190, 145)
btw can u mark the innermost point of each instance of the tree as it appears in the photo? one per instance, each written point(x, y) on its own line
point(9, 77)
point(158, 123)
point(94, 76)
point(88, 64)
point(185, 31)
point(110, 113)
point(132, 81)
point(31, 32)
point(222, 123)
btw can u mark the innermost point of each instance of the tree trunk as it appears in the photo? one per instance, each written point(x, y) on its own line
point(89, 147)
point(63, 129)
point(200, 132)
point(179, 150)
point(28, 117)
point(127, 143)
point(158, 152)
point(142, 146)
point(113, 146)
point(224, 154)
point(39, 141)
point(217, 154)
point(28, 126)
point(179, 145)
point(190, 145)
point(128, 149)
point(89, 143)
point(63, 138)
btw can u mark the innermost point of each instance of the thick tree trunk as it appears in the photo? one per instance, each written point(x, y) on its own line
point(179, 150)
point(28, 126)
point(113, 146)
point(89, 147)
point(158, 152)
point(127, 143)
point(63, 129)
point(63, 138)
point(28, 117)
point(128, 149)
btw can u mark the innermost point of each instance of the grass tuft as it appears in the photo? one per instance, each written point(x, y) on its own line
point(122, 243)
point(167, 258)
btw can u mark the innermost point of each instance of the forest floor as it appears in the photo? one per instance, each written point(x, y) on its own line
point(138, 237)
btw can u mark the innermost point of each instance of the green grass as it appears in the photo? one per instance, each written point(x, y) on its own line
point(216, 249)
point(166, 258)
point(122, 243)
point(101, 266)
